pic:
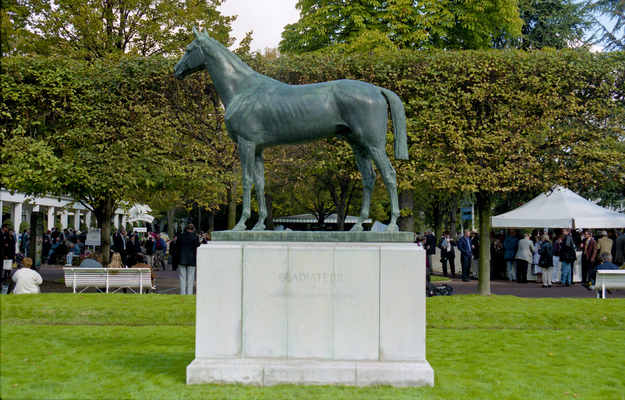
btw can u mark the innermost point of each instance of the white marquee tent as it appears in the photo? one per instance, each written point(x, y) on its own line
point(561, 208)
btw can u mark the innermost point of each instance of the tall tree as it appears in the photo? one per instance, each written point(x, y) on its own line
point(363, 25)
point(549, 23)
point(100, 132)
point(92, 29)
point(612, 37)
point(502, 122)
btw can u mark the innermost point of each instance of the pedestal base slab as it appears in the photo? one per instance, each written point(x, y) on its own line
point(272, 372)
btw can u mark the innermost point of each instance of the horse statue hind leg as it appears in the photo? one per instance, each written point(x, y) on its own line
point(363, 155)
point(368, 141)
point(363, 160)
point(252, 171)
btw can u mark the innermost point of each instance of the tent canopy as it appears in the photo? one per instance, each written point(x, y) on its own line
point(311, 219)
point(561, 208)
point(140, 212)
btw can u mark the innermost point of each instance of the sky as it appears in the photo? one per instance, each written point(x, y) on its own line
point(267, 18)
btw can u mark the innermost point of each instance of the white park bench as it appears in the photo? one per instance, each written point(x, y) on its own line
point(609, 279)
point(109, 278)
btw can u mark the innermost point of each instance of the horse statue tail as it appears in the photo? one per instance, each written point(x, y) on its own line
point(398, 116)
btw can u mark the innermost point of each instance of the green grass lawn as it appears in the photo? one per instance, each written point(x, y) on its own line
point(116, 346)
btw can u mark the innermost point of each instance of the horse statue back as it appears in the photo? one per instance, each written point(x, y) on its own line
point(262, 112)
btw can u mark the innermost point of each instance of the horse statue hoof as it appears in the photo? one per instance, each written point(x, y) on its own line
point(357, 228)
point(259, 227)
point(392, 228)
point(239, 227)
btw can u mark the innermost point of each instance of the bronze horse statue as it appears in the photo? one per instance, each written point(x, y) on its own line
point(262, 112)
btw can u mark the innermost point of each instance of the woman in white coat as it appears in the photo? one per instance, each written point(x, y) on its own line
point(26, 280)
point(524, 256)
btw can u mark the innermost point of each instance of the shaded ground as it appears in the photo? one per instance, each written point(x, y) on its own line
point(167, 283)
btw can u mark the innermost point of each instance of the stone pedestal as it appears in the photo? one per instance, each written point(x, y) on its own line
point(273, 313)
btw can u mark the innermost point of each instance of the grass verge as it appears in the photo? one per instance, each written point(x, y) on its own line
point(137, 347)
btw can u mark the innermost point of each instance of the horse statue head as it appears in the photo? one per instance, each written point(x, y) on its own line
point(194, 56)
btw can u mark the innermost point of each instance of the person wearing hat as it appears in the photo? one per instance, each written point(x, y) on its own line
point(604, 245)
point(187, 248)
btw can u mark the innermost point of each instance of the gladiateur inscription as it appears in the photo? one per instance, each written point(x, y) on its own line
point(310, 278)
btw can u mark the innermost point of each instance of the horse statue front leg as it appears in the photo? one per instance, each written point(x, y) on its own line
point(247, 192)
point(246, 152)
point(259, 183)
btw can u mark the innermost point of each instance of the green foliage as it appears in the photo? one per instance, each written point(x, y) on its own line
point(93, 29)
point(365, 25)
point(552, 23)
point(23, 226)
point(99, 132)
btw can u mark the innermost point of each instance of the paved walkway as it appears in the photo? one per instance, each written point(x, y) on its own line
point(530, 289)
point(167, 283)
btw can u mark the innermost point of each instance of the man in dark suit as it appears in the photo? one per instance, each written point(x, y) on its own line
point(430, 247)
point(589, 247)
point(187, 246)
point(466, 254)
point(446, 244)
point(619, 253)
point(4, 249)
point(119, 244)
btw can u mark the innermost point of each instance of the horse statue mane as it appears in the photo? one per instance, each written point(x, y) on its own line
point(262, 112)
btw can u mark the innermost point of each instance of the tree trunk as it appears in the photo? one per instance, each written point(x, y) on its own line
point(232, 205)
point(211, 220)
point(406, 207)
point(321, 216)
point(199, 219)
point(484, 201)
point(103, 211)
point(340, 209)
point(453, 215)
point(269, 220)
point(437, 215)
point(170, 223)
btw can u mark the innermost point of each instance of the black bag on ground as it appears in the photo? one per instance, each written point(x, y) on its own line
point(431, 290)
point(444, 291)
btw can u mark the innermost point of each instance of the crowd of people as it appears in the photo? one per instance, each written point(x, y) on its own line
point(549, 256)
point(150, 250)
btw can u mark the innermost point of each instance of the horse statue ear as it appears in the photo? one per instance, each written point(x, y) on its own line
point(205, 32)
point(195, 32)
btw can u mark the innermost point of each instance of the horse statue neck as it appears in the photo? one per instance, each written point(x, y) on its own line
point(229, 74)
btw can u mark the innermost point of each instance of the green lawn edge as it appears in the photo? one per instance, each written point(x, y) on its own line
point(443, 312)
